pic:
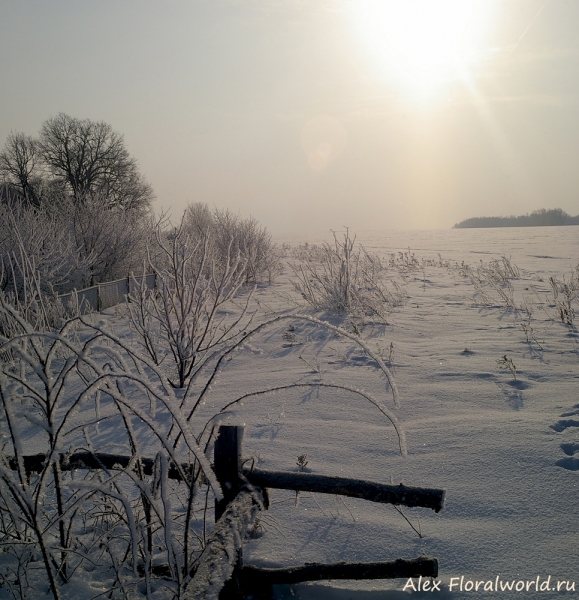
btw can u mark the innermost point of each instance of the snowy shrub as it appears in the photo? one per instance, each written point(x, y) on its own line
point(37, 239)
point(179, 322)
point(72, 244)
point(57, 396)
point(33, 266)
point(38, 308)
point(404, 261)
point(260, 257)
point(46, 252)
point(104, 457)
point(306, 252)
point(112, 240)
point(343, 278)
point(500, 270)
point(492, 283)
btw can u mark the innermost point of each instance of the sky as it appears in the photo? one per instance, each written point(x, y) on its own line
point(312, 115)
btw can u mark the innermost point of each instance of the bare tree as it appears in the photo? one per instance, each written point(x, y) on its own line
point(90, 158)
point(19, 166)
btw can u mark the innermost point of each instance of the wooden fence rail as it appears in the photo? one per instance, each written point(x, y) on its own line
point(355, 488)
point(222, 553)
point(109, 293)
point(401, 568)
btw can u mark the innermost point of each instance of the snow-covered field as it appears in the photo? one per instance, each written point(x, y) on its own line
point(505, 448)
point(502, 448)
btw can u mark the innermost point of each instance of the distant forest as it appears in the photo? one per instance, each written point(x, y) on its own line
point(539, 218)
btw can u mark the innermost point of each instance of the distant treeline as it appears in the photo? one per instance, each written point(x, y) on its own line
point(539, 218)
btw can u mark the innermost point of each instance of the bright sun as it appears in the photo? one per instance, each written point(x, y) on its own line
point(421, 44)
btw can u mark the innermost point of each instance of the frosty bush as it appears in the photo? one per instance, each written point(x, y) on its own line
point(110, 239)
point(36, 260)
point(37, 239)
point(66, 520)
point(200, 266)
point(74, 243)
point(492, 282)
point(343, 278)
point(179, 322)
point(45, 252)
point(34, 305)
point(104, 458)
point(261, 258)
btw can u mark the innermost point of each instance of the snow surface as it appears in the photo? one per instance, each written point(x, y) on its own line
point(505, 450)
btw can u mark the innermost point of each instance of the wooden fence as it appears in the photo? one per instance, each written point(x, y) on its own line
point(245, 494)
point(221, 572)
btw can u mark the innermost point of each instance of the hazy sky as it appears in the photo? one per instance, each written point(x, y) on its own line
point(315, 114)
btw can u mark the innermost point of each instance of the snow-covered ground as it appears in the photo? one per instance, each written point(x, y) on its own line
point(502, 448)
point(505, 449)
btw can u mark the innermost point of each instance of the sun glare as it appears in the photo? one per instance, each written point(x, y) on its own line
point(421, 44)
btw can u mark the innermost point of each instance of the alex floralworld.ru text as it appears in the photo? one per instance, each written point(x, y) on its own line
point(461, 584)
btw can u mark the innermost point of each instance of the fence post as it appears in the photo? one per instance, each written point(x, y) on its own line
point(227, 456)
point(227, 461)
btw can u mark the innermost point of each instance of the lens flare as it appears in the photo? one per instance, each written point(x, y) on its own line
point(323, 140)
